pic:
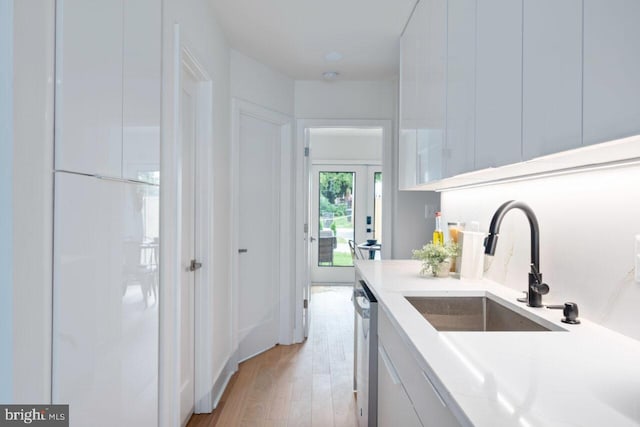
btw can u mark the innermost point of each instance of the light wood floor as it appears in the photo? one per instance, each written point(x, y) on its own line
point(308, 384)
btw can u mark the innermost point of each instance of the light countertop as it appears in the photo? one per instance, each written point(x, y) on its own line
point(585, 375)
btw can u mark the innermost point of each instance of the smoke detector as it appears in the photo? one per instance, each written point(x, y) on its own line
point(330, 75)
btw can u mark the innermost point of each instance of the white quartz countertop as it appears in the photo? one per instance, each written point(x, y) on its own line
point(586, 375)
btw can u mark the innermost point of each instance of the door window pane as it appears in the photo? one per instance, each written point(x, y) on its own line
point(336, 209)
point(377, 206)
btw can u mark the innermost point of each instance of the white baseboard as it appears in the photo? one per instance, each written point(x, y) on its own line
point(212, 399)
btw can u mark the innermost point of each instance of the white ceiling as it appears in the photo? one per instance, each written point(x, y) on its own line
point(294, 36)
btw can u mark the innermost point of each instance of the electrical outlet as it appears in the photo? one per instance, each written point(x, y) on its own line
point(429, 211)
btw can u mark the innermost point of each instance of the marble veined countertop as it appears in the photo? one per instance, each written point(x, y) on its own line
point(585, 375)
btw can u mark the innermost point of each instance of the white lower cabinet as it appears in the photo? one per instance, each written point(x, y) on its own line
point(412, 382)
point(394, 406)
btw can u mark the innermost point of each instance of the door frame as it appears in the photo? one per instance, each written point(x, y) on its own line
point(170, 231)
point(285, 244)
point(302, 194)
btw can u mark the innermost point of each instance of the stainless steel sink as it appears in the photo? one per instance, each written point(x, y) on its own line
point(474, 314)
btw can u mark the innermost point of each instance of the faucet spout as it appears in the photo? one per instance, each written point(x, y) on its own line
point(536, 287)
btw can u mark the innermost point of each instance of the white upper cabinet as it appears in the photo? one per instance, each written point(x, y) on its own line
point(422, 94)
point(489, 83)
point(108, 88)
point(611, 69)
point(141, 90)
point(552, 77)
point(89, 86)
point(431, 87)
point(460, 91)
point(408, 103)
point(498, 83)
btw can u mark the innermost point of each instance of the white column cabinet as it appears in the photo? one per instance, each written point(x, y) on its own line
point(611, 70)
point(108, 87)
point(105, 301)
point(498, 83)
point(141, 89)
point(551, 77)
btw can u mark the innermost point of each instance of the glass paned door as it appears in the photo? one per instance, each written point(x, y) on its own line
point(344, 201)
point(335, 228)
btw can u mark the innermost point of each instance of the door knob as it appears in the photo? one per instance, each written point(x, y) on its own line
point(243, 251)
point(193, 266)
point(312, 239)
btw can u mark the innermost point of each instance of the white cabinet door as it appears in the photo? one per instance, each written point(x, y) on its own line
point(89, 86)
point(431, 88)
point(394, 406)
point(105, 301)
point(611, 70)
point(461, 69)
point(552, 77)
point(408, 104)
point(498, 83)
point(141, 90)
point(108, 88)
point(427, 401)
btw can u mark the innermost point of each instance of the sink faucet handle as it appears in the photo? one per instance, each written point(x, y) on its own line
point(541, 288)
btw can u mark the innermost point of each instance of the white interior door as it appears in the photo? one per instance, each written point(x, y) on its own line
point(187, 274)
point(342, 209)
point(259, 235)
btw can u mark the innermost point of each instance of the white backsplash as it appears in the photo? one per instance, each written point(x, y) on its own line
point(587, 221)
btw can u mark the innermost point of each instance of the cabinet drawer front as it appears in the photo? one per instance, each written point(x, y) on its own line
point(394, 406)
point(426, 400)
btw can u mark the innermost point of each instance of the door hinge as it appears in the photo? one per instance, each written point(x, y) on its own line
point(305, 303)
point(306, 228)
point(306, 151)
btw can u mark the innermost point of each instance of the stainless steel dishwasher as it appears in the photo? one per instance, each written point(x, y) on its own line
point(365, 369)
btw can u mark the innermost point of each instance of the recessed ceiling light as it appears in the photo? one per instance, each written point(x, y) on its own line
point(333, 56)
point(330, 75)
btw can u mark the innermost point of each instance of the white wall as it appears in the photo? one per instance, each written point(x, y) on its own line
point(6, 196)
point(338, 144)
point(587, 226)
point(413, 221)
point(345, 99)
point(201, 33)
point(261, 85)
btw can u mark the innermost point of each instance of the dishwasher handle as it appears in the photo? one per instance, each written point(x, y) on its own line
point(362, 311)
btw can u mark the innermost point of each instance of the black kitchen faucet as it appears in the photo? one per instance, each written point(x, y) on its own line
point(536, 287)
